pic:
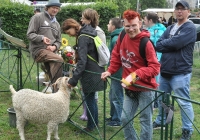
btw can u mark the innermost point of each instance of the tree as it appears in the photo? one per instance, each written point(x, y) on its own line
point(129, 4)
point(152, 4)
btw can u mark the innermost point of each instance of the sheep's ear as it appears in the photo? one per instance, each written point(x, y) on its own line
point(57, 83)
point(65, 79)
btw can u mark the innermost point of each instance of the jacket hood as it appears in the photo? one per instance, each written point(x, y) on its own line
point(88, 29)
point(158, 26)
point(116, 32)
point(144, 33)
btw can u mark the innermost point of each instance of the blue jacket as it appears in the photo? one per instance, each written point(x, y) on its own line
point(177, 50)
point(114, 36)
point(156, 32)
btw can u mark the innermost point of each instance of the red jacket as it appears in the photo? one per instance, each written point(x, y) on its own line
point(126, 54)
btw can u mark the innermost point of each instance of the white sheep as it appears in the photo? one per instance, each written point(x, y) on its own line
point(38, 107)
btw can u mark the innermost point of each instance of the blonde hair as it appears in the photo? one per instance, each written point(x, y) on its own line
point(92, 15)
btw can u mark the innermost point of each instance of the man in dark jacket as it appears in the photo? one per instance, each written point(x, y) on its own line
point(176, 46)
point(116, 94)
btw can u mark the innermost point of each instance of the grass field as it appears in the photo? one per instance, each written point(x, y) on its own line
point(67, 131)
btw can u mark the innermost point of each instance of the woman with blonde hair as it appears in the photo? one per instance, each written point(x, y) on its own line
point(90, 16)
point(90, 82)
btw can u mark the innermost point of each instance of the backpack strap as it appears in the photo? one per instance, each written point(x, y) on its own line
point(89, 56)
point(86, 35)
point(142, 47)
point(123, 33)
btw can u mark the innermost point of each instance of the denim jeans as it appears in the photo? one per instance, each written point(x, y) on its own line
point(116, 96)
point(130, 107)
point(92, 111)
point(180, 84)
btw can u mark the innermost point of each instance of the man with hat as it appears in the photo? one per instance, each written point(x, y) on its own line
point(44, 35)
point(177, 45)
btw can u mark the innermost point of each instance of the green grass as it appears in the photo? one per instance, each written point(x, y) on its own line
point(67, 131)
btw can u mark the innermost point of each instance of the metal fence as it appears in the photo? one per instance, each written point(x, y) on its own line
point(18, 68)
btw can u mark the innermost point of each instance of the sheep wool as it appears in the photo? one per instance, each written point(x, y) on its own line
point(38, 107)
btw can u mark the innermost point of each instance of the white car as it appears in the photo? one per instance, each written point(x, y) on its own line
point(195, 20)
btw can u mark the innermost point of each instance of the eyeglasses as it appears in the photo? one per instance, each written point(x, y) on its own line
point(128, 27)
point(181, 9)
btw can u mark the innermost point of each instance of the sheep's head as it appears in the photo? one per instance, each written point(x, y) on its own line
point(61, 84)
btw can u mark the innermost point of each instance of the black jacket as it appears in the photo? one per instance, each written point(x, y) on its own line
point(90, 82)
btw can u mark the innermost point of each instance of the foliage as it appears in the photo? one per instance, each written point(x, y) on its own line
point(129, 4)
point(15, 18)
point(152, 4)
point(105, 10)
point(122, 7)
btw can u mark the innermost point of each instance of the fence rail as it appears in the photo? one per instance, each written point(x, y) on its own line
point(18, 68)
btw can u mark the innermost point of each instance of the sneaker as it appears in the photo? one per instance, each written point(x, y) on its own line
point(113, 124)
point(186, 135)
point(157, 126)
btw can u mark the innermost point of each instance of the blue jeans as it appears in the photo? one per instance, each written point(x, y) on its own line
point(92, 111)
point(180, 84)
point(116, 100)
point(130, 107)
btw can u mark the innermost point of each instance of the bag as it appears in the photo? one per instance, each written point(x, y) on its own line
point(142, 46)
point(102, 50)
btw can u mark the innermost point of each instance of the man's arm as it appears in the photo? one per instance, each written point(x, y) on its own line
point(153, 67)
point(57, 43)
point(184, 37)
point(33, 28)
point(115, 61)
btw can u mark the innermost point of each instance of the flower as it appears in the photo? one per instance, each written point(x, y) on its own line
point(68, 54)
point(64, 42)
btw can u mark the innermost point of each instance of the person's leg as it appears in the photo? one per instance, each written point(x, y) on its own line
point(96, 96)
point(145, 98)
point(181, 88)
point(155, 95)
point(84, 115)
point(55, 70)
point(129, 109)
point(92, 110)
point(53, 64)
point(164, 85)
point(116, 100)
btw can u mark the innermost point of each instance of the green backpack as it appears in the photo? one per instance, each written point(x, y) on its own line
point(102, 50)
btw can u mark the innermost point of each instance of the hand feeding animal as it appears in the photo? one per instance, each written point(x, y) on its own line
point(38, 107)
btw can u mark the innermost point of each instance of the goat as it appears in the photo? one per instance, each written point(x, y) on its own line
point(38, 107)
